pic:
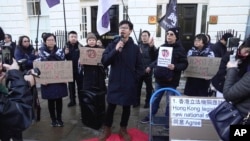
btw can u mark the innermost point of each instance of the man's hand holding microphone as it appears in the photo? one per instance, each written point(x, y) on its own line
point(120, 44)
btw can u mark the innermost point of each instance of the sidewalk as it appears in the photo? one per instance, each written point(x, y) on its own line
point(74, 130)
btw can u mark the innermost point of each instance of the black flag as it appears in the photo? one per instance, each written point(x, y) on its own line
point(169, 20)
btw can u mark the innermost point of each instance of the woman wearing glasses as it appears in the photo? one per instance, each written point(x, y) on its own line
point(25, 50)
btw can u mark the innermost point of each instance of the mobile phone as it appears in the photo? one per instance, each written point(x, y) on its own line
point(1, 66)
point(6, 55)
point(233, 42)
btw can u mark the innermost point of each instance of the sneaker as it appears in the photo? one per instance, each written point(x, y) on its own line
point(145, 120)
point(53, 123)
point(60, 123)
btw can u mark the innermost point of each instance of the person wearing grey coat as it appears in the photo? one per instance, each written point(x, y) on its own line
point(237, 90)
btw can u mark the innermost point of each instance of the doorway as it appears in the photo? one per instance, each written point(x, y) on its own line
point(187, 22)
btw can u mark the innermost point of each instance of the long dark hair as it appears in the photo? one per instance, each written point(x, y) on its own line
point(1, 34)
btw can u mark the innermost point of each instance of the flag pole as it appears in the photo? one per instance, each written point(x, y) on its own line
point(64, 22)
point(37, 28)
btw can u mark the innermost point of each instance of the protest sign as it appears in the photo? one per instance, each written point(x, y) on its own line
point(54, 71)
point(164, 56)
point(189, 118)
point(202, 67)
point(91, 56)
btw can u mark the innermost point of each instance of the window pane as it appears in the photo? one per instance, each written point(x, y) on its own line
point(30, 8)
point(37, 8)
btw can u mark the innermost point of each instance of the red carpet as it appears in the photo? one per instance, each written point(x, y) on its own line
point(136, 135)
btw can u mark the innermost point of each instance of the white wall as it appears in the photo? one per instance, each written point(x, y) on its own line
point(13, 18)
point(139, 10)
point(73, 16)
point(232, 14)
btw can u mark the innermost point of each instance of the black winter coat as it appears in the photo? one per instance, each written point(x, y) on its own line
point(125, 71)
point(74, 55)
point(219, 78)
point(15, 108)
point(94, 77)
point(237, 91)
point(219, 49)
point(179, 59)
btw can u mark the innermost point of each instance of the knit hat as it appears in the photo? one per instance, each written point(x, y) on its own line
point(176, 32)
point(91, 35)
point(226, 36)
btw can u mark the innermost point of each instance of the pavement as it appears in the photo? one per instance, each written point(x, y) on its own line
point(75, 130)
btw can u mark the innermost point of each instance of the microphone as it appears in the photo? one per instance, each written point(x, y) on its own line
point(123, 40)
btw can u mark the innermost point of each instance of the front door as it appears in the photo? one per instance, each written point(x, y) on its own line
point(187, 21)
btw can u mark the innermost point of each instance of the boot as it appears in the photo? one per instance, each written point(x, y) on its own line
point(72, 103)
point(105, 134)
point(123, 132)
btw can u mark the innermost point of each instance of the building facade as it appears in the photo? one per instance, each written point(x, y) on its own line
point(19, 17)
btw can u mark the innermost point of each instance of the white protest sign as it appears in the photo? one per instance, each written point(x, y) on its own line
point(189, 117)
point(192, 107)
point(164, 56)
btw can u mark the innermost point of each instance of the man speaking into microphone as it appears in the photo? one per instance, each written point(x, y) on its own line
point(124, 58)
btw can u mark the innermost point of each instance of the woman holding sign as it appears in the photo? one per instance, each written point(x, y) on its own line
point(198, 86)
point(56, 91)
point(94, 75)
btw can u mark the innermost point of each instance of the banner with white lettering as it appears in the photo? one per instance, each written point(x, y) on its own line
point(192, 113)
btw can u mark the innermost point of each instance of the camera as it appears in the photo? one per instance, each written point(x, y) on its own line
point(5, 56)
point(232, 45)
point(22, 64)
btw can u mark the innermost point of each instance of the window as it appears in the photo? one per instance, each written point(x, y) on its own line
point(203, 19)
point(159, 14)
point(33, 7)
point(84, 23)
point(125, 12)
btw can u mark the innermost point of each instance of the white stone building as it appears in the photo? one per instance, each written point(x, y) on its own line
point(19, 17)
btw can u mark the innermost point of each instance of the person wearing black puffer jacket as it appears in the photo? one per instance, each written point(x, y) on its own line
point(94, 76)
point(179, 63)
point(15, 104)
point(72, 53)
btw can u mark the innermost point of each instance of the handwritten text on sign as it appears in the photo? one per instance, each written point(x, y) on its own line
point(90, 56)
point(202, 67)
point(54, 71)
point(164, 56)
point(189, 111)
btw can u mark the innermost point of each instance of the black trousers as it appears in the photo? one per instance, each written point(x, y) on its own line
point(55, 109)
point(110, 115)
point(14, 136)
point(149, 88)
point(78, 79)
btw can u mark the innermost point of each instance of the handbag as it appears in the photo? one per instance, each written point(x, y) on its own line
point(223, 116)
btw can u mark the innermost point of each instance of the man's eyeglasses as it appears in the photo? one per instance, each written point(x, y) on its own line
point(123, 27)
